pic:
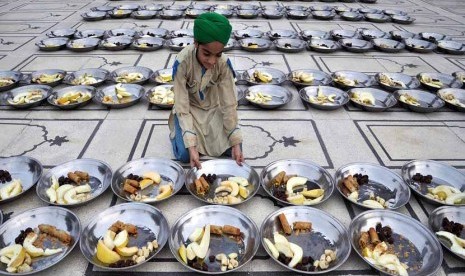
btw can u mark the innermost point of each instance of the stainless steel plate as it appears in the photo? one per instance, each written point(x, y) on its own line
point(116, 43)
point(248, 7)
point(255, 44)
point(83, 44)
point(36, 75)
point(323, 15)
point(460, 75)
point(452, 213)
point(14, 76)
point(382, 182)
point(99, 172)
point(339, 34)
point(383, 99)
point(94, 15)
point(280, 96)
point(149, 92)
point(178, 43)
point(169, 171)
point(171, 14)
point(447, 81)
point(356, 45)
point(62, 33)
point(150, 222)
point(132, 7)
point(402, 19)
point(118, 13)
point(97, 33)
point(153, 7)
point(8, 96)
point(103, 8)
point(369, 10)
point(194, 13)
point(295, 14)
point(148, 43)
point(100, 75)
point(156, 74)
point(420, 46)
point(156, 32)
point(388, 45)
point(319, 78)
point(318, 177)
point(52, 44)
point(401, 35)
point(451, 47)
point(327, 233)
point(433, 37)
point(200, 6)
point(443, 174)
point(343, 9)
point(223, 168)
point(58, 93)
point(394, 12)
point(121, 32)
point(24, 168)
point(248, 33)
point(183, 33)
point(427, 246)
point(225, 12)
point(143, 14)
point(459, 94)
point(361, 79)
point(296, 7)
point(135, 90)
point(59, 217)
point(146, 73)
point(341, 98)
point(352, 16)
point(314, 34)
point(278, 34)
point(369, 34)
point(377, 17)
point(217, 215)
point(323, 45)
point(428, 102)
point(321, 8)
point(176, 7)
point(247, 14)
point(409, 82)
point(278, 76)
point(273, 14)
point(290, 45)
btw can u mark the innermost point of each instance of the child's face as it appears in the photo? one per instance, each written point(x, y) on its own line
point(208, 54)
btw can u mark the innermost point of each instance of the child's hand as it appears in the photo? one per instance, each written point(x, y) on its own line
point(237, 154)
point(194, 157)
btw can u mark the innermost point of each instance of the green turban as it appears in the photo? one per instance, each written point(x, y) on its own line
point(210, 26)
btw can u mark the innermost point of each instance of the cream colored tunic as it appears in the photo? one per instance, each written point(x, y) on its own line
point(209, 122)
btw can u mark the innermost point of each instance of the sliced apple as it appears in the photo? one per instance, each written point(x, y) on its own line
point(272, 248)
point(196, 235)
point(243, 192)
point(29, 246)
point(202, 250)
point(105, 255)
point(296, 199)
point(284, 248)
point(239, 180)
point(190, 252)
point(295, 182)
point(455, 198)
point(279, 238)
point(145, 183)
point(121, 239)
point(4, 259)
point(52, 251)
point(108, 239)
point(182, 253)
point(313, 201)
point(127, 251)
point(298, 254)
point(372, 204)
point(61, 192)
point(313, 193)
point(233, 185)
point(154, 176)
point(55, 184)
point(164, 191)
point(52, 194)
point(233, 200)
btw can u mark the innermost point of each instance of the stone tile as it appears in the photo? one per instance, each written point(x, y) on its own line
point(52, 6)
point(13, 43)
point(35, 16)
point(25, 27)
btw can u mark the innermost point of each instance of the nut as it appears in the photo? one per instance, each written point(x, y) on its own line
point(28, 259)
point(324, 265)
point(232, 255)
point(224, 261)
point(134, 257)
point(322, 258)
point(140, 252)
point(333, 255)
point(328, 259)
point(140, 259)
point(155, 244)
point(224, 268)
point(220, 257)
point(230, 266)
point(146, 252)
point(316, 263)
point(234, 263)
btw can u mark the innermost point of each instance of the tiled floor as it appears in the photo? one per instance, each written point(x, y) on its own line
point(331, 139)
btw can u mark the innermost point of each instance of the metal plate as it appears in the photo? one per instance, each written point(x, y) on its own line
point(323, 45)
point(394, 12)
point(153, 7)
point(339, 34)
point(410, 82)
point(420, 46)
point(447, 81)
point(278, 76)
point(460, 75)
point(443, 174)
point(369, 34)
point(94, 15)
point(377, 17)
point(296, 7)
point(323, 15)
point(155, 32)
point(150, 222)
point(179, 43)
point(318, 177)
point(217, 215)
point(278, 34)
point(247, 14)
point(352, 16)
point(321, 8)
point(183, 33)
point(452, 213)
point(117, 13)
point(401, 35)
point(402, 19)
point(36, 74)
point(341, 99)
point(327, 233)
point(99, 172)
point(8, 96)
point(262, 44)
point(103, 8)
point(248, 7)
point(170, 171)
point(226, 13)
point(62, 33)
point(146, 73)
point(148, 43)
point(132, 7)
point(451, 47)
point(388, 45)
point(223, 168)
point(248, 33)
point(144, 14)
point(171, 14)
point(433, 37)
point(343, 9)
point(52, 44)
point(425, 242)
point(160, 105)
point(1, 217)
point(319, 78)
point(299, 15)
point(176, 8)
point(273, 14)
point(12, 75)
point(280, 95)
point(356, 45)
point(100, 75)
point(362, 79)
point(97, 33)
point(370, 10)
point(383, 99)
point(58, 93)
point(136, 94)
point(290, 45)
point(83, 44)
point(200, 6)
point(230, 45)
point(120, 32)
point(61, 218)
point(224, 7)
point(158, 73)
point(24, 168)
point(314, 34)
point(428, 102)
point(116, 43)
point(194, 13)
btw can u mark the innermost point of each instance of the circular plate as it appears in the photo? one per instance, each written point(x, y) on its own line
point(425, 242)
point(24, 168)
point(451, 47)
point(419, 46)
point(216, 215)
point(339, 34)
point(148, 43)
point(52, 44)
point(36, 76)
point(116, 43)
point(451, 96)
point(103, 8)
point(83, 44)
point(447, 81)
point(369, 10)
point(120, 32)
point(155, 32)
point(452, 213)
point(178, 43)
point(118, 13)
point(99, 172)
point(290, 45)
point(248, 33)
point(396, 81)
point(278, 76)
point(176, 7)
point(323, 15)
point(343, 9)
point(171, 14)
point(97, 33)
point(383, 99)
point(79, 88)
point(443, 174)
point(135, 90)
point(388, 45)
point(273, 14)
point(279, 95)
point(156, 76)
point(341, 97)
point(62, 33)
point(248, 7)
point(402, 19)
point(230, 45)
point(14, 78)
point(77, 78)
point(132, 7)
point(144, 71)
point(183, 33)
point(319, 78)
point(194, 13)
point(428, 102)
point(401, 35)
point(296, 7)
point(327, 233)
point(298, 15)
point(61, 218)
point(356, 45)
point(323, 45)
point(223, 168)
point(170, 172)
point(143, 14)
point(279, 34)
point(321, 8)
point(352, 16)
point(247, 14)
point(150, 222)
point(460, 75)
point(225, 12)
point(394, 12)
point(200, 6)
point(318, 177)
point(149, 92)
point(224, 7)
point(45, 91)
point(314, 34)
point(153, 7)
point(94, 15)
point(369, 34)
point(433, 37)
point(255, 44)
point(356, 79)
point(377, 17)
